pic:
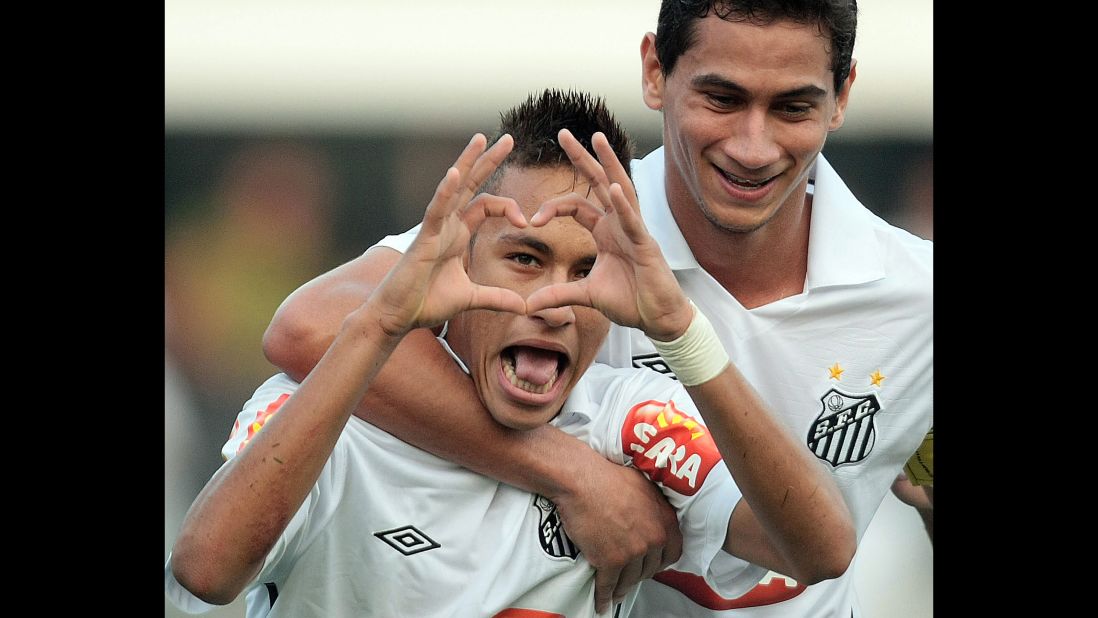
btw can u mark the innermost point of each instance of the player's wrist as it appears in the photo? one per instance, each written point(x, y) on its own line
point(673, 325)
point(371, 323)
point(698, 355)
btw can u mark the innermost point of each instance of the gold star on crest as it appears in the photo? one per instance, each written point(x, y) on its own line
point(836, 371)
point(876, 378)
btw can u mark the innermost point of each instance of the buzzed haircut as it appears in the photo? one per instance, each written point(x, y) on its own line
point(534, 125)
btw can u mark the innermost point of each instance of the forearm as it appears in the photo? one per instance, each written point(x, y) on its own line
point(246, 506)
point(793, 498)
point(792, 518)
point(310, 318)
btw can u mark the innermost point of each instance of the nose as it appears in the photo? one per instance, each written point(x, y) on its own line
point(556, 317)
point(751, 143)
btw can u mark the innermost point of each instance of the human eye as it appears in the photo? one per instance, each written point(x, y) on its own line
point(795, 110)
point(722, 100)
point(582, 269)
point(523, 259)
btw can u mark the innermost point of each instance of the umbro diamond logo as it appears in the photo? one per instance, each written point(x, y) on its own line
point(407, 540)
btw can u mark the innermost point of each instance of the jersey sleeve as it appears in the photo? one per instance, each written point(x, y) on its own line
point(663, 436)
point(920, 468)
point(309, 520)
point(263, 405)
point(180, 597)
point(400, 242)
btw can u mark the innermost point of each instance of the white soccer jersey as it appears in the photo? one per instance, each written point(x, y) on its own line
point(391, 530)
point(847, 364)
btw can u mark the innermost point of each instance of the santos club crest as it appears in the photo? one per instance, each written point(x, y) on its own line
point(551, 533)
point(843, 433)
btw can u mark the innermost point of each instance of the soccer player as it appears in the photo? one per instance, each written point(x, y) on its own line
point(826, 308)
point(318, 513)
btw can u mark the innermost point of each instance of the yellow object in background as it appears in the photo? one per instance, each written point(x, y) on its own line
point(920, 468)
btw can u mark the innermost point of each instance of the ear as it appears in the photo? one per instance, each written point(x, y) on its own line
point(839, 116)
point(651, 73)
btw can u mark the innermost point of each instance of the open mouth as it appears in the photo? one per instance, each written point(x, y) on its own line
point(531, 369)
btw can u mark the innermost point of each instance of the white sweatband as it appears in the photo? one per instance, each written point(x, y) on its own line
point(697, 356)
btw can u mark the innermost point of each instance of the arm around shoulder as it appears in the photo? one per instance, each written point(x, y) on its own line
point(308, 320)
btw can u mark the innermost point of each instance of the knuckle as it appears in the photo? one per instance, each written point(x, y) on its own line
point(658, 538)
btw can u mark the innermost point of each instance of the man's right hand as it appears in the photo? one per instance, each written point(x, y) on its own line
point(622, 524)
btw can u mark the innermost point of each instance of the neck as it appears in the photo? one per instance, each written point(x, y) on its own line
point(757, 267)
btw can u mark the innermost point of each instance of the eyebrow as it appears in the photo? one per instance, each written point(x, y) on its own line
point(537, 245)
point(529, 241)
point(712, 80)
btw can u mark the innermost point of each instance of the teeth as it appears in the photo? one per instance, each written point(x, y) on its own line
point(743, 181)
point(509, 371)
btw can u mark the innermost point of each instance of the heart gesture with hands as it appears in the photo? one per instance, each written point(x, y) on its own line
point(630, 282)
point(429, 284)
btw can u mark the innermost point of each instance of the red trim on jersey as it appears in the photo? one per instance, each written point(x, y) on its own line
point(695, 588)
point(514, 612)
point(670, 447)
point(261, 419)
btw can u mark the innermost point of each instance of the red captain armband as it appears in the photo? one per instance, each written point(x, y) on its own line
point(670, 447)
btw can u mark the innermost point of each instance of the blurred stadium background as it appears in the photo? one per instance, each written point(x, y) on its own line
point(298, 134)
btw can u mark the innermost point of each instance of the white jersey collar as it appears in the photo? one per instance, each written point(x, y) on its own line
point(580, 406)
point(648, 179)
point(842, 246)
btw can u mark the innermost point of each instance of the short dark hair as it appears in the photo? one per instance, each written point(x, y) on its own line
point(675, 30)
point(534, 125)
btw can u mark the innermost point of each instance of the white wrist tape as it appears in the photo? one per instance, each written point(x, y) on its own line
point(698, 355)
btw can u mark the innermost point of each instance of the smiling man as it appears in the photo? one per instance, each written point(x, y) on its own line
point(318, 513)
point(827, 309)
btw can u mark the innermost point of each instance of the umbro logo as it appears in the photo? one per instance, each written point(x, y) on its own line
point(407, 540)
